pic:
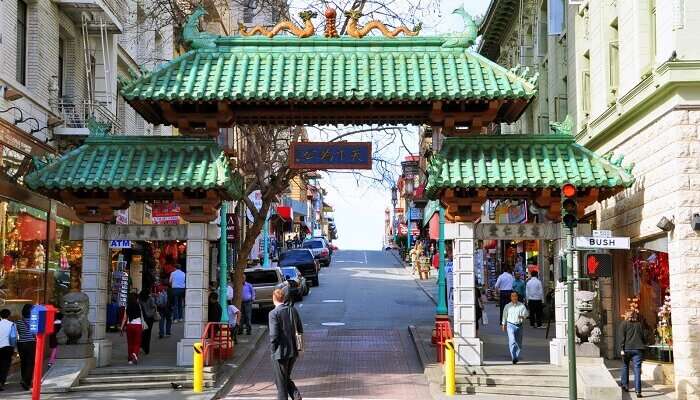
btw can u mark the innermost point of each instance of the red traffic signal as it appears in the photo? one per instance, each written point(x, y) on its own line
point(569, 207)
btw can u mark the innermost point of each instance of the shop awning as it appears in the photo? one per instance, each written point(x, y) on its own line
point(285, 212)
point(431, 208)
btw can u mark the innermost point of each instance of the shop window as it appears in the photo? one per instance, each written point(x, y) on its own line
point(21, 58)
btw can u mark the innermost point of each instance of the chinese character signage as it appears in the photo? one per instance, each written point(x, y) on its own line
point(329, 155)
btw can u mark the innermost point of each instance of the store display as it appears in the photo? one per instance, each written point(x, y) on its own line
point(664, 334)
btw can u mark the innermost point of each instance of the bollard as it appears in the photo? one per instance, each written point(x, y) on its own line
point(198, 368)
point(450, 388)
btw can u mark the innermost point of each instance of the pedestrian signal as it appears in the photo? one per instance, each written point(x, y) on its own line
point(599, 265)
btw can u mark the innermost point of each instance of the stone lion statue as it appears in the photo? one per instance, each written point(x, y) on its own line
point(75, 328)
point(587, 329)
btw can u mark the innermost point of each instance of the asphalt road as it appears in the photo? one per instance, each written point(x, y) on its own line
point(357, 345)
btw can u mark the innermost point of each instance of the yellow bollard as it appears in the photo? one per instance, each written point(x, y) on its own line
point(198, 368)
point(450, 387)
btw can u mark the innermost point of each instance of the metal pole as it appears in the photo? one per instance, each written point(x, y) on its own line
point(408, 225)
point(223, 263)
point(47, 250)
point(441, 283)
point(570, 339)
point(266, 240)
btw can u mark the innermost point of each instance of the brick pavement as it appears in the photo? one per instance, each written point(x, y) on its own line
point(343, 364)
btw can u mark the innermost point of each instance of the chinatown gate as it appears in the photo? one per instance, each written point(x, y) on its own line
point(307, 79)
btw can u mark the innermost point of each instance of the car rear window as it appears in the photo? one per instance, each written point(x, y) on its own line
point(289, 272)
point(261, 277)
point(293, 257)
point(313, 244)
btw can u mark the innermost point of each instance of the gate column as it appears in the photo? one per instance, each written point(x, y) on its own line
point(196, 294)
point(94, 284)
point(469, 347)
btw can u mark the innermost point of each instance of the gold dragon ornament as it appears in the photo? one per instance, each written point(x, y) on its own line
point(306, 31)
point(354, 31)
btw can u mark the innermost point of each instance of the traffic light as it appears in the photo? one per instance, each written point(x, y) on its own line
point(569, 207)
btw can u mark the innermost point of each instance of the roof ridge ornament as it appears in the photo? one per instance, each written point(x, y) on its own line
point(302, 32)
point(359, 32)
point(565, 127)
point(471, 30)
point(331, 31)
point(191, 33)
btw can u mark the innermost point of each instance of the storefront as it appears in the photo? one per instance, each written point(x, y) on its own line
point(36, 252)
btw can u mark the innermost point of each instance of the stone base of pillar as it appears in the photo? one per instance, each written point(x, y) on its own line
point(470, 351)
point(557, 351)
point(184, 352)
point(103, 352)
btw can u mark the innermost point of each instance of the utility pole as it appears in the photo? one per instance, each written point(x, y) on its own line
point(223, 263)
point(441, 310)
point(266, 241)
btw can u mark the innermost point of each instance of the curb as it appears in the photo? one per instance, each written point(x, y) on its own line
point(231, 370)
point(432, 371)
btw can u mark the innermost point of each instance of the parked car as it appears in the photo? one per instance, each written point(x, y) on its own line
point(264, 281)
point(321, 251)
point(331, 247)
point(304, 260)
point(298, 287)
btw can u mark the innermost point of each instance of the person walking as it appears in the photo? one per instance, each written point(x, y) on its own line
point(53, 340)
point(519, 286)
point(234, 320)
point(632, 345)
point(503, 286)
point(534, 295)
point(178, 282)
point(8, 339)
point(247, 297)
point(149, 310)
point(478, 305)
point(164, 302)
point(285, 324)
point(26, 347)
point(214, 308)
point(133, 323)
point(514, 313)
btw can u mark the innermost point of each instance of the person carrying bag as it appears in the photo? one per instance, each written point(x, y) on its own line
point(286, 341)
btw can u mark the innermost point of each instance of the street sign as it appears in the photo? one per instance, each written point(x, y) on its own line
point(330, 155)
point(589, 242)
point(120, 244)
point(415, 214)
point(231, 226)
point(602, 234)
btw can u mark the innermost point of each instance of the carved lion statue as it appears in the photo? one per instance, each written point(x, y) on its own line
point(587, 329)
point(75, 327)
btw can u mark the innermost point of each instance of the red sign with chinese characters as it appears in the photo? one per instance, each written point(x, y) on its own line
point(330, 155)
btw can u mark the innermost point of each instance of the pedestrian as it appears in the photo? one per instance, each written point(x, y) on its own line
point(149, 310)
point(53, 340)
point(8, 340)
point(247, 299)
point(234, 320)
point(164, 301)
point(514, 313)
point(503, 286)
point(229, 289)
point(178, 282)
point(26, 347)
point(632, 345)
point(519, 286)
point(534, 295)
point(478, 306)
point(133, 323)
point(214, 309)
point(285, 324)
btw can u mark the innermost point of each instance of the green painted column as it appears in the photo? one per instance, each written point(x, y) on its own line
point(223, 263)
point(441, 308)
point(266, 241)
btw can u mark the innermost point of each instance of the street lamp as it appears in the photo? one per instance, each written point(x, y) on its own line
point(410, 171)
point(394, 202)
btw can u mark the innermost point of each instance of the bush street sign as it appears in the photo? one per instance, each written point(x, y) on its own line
point(588, 242)
point(330, 155)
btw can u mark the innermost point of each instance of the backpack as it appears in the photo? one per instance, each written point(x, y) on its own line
point(13, 335)
point(162, 299)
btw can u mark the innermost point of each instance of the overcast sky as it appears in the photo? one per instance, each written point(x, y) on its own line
point(359, 208)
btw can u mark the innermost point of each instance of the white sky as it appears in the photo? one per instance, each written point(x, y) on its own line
point(359, 208)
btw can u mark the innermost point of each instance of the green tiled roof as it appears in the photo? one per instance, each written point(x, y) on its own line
point(521, 161)
point(140, 163)
point(371, 69)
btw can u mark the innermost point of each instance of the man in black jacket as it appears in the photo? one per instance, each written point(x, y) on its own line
point(284, 323)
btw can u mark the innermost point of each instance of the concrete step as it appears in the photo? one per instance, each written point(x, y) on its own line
point(514, 380)
point(133, 386)
point(514, 370)
point(106, 379)
point(516, 391)
point(145, 370)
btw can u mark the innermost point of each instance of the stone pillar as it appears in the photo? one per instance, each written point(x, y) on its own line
point(196, 294)
point(469, 347)
point(94, 283)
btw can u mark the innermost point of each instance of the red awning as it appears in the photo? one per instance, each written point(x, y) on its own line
point(419, 192)
point(285, 212)
point(434, 227)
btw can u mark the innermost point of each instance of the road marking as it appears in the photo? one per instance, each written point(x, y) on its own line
point(365, 253)
point(350, 261)
point(333, 301)
point(332, 323)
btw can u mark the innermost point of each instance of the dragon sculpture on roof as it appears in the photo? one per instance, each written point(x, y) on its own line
point(306, 31)
point(354, 31)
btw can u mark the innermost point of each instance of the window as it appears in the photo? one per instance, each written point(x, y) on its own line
point(586, 92)
point(61, 66)
point(248, 11)
point(21, 66)
point(613, 61)
point(652, 32)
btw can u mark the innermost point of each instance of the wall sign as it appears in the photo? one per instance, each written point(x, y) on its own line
point(330, 155)
point(517, 231)
point(120, 244)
